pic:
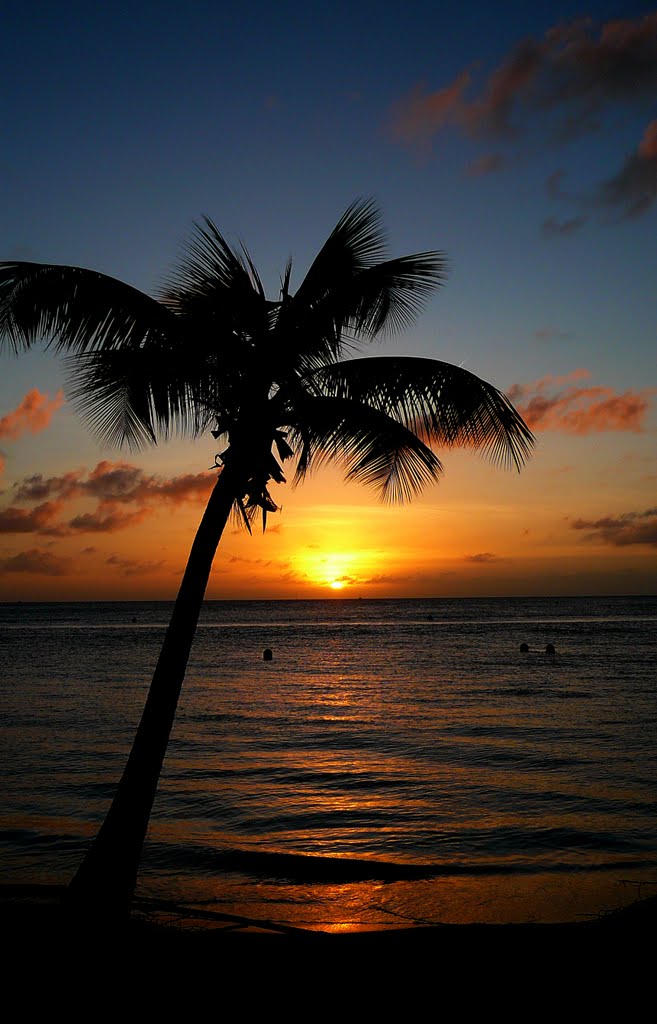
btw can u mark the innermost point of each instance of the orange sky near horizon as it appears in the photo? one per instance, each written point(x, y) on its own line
point(120, 527)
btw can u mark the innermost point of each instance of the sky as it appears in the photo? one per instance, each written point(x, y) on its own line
point(519, 138)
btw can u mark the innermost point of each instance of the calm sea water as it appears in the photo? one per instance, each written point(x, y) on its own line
point(397, 761)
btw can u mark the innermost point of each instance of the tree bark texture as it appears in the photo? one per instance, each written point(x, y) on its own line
point(106, 879)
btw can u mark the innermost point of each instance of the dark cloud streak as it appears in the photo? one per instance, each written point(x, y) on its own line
point(623, 530)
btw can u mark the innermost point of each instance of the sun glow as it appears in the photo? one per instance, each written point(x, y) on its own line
point(336, 570)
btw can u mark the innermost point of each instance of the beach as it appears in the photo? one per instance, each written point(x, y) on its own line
point(522, 971)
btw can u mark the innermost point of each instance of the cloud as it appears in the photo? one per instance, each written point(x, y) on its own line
point(577, 69)
point(36, 488)
point(118, 482)
point(388, 578)
point(623, 530)
point(487, 164)
point(35, 520)
point(492, 112)
point(36, 562)
point(634, 189)
point(551, 334)
point(483, 558)
point(106, 519)
point(553, 185)
point(133, 566)
point(549, 91)
point(32, 415)
point(547, 404)
point(418, 116)
point(553, 228)
point(112, 485)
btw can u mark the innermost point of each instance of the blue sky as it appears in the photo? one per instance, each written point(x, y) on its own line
point(125, 123)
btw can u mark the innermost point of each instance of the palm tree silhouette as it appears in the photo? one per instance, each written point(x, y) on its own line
point(271, 379)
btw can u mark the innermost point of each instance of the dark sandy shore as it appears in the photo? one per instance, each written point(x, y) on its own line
point(599, 958)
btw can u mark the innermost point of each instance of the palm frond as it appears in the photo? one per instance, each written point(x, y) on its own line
point(215, 284)
point(351, 293)
point(444, 404)
point(373, 448)
point(389, 296)
point(133, 398)
point(384, 298)
point(357, 241)
point(75, 309)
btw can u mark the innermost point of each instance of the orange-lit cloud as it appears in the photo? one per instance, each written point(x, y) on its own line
point(623, 530)
point(549, 91)
point(35, 520)
point(106, 519)
point(575, 71)
point(547, 404)
point(489, 163)
point(483, 558)
point(421, 114)
point(117, 482)
point(36, 562)
point(112, 485)
point(32, 415)
point(133, 566)
point(553, 228)
point(634, 189)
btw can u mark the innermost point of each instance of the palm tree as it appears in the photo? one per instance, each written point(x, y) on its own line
point(270, 378)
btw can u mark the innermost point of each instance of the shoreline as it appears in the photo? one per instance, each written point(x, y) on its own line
point(452, 970)
point(29, 906)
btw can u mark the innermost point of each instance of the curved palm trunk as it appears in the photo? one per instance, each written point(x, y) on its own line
point(108, 874)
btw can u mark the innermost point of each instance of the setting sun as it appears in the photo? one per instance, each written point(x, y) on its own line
point(336, 570)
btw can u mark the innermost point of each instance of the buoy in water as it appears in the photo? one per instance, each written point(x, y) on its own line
point(524, 648)
point(267, 654)
point(550, 649)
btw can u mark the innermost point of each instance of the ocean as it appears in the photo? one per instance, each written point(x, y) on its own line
point(395, 763)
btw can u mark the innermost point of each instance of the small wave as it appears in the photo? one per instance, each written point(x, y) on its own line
point(293, 867)
point(217, 716)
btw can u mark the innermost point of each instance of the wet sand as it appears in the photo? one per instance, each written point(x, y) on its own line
point(608, 957)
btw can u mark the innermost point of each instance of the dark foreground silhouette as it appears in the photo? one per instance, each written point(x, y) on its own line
point(229, 968)
point(33, 915)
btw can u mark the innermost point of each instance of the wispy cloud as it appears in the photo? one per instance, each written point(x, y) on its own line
point(574, 72)
point(621, 530)
point(112, 485)
point(133, 566)
point(36, 562)
point(32, 415)
point(558, 403)
point(106, 519)
point(633, 190)
point(417, 117)
point(551, 334)
point(553, 228)
point(118, 482)
point(489, 163)
point(546, 92)
point(35, 520)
